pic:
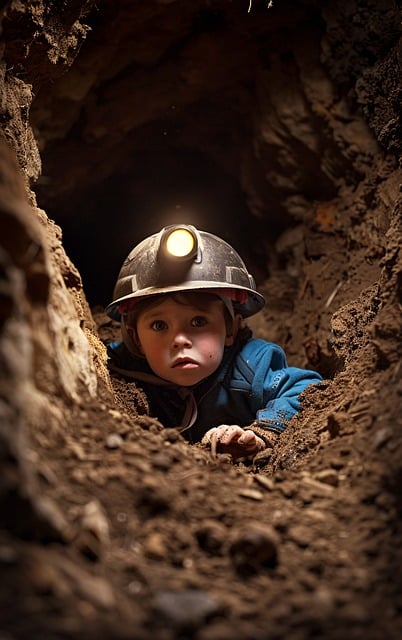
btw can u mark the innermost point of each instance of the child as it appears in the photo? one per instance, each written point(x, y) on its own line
point(182, 296)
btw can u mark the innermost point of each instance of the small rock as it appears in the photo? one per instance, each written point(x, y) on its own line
point(253, 494)
point(95, 590)
point(94, 520)
point(212, 536)
point(93, 535)
point(154, 546)
point(114, 441)
point(115, 414)
point(328, 476)
point(265, 482)
point(50, 522)
point(184, 609)
point(254, 548)
point(161, 461)
point(316, 488)
point(288, 489)
point(381, 437)
point(134, 587)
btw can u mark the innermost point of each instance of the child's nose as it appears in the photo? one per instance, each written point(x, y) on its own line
point(181, 339)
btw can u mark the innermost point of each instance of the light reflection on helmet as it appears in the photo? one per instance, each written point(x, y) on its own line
point(183, 258)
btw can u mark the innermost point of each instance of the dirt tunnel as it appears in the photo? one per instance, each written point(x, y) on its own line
point(278, 128)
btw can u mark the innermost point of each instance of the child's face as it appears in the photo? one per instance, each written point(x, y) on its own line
point(181, 343)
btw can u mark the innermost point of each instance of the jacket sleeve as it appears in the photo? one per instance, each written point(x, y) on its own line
point(276, 387)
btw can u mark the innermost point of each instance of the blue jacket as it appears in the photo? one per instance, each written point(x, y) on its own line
point(252, 384)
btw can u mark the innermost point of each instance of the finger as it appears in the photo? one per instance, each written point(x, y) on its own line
point(229, 433)
point(247, 437)
point(206, 438)
point(251, 442)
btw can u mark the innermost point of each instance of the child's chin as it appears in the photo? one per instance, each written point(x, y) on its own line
point(186, 380)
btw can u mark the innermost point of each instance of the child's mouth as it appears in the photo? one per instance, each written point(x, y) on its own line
point(184, 364)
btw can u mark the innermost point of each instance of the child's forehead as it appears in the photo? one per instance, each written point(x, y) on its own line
point(175, 304)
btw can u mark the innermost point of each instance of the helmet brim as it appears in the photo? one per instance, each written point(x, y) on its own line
point(254, 303)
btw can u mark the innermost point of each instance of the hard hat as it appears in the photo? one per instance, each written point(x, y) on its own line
point(183, 258)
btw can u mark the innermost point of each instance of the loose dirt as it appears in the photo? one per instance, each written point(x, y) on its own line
point(165, 541)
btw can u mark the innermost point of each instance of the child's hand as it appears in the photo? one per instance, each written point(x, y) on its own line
point(232, 439)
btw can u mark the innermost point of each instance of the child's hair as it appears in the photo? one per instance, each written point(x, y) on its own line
point(201, 300)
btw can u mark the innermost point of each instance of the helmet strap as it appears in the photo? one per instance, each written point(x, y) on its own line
point(233, 329)
point(228, 304)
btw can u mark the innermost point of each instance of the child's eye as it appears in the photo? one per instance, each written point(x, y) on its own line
point(158, 325)
point(199, 321)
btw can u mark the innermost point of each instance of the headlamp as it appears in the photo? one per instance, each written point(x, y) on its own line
point(180, 258)
point(179, 243)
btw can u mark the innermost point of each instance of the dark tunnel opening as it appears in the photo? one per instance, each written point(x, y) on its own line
point(182, 150)
point(102, 222)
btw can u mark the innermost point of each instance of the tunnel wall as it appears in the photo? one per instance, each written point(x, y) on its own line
point(50, 356)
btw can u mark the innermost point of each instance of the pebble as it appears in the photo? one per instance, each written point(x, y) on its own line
point(154, 546)
point(52, 572)
point(161, 461)
point(114, 441)
point(134, 587)
point(316, 487)
point(253, 494)
point(266, 483)
point(184, 609)
point(50, 520)
point(95, 521)
point(115, 414)
point(328, 476)
point(381, 437)
point(211, 537)
point(93, 534)
point(254, 548)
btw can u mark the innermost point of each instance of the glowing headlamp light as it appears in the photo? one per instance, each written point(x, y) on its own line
point(179, 243)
